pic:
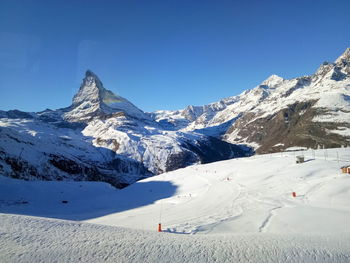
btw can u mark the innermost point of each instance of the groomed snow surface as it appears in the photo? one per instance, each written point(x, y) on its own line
point(240, 210)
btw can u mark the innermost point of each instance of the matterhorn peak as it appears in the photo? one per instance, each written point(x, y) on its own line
point(91, 89)
point(93, 100)
point(89, 73)
point(272, 81)
point(91, 79)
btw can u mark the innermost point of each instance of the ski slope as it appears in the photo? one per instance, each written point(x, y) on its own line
point(32, 239)
point(242, 209)
point(248, 195)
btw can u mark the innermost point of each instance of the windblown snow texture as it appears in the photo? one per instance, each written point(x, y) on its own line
point(28, 239)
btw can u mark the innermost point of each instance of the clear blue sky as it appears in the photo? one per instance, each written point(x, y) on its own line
point(164, 54)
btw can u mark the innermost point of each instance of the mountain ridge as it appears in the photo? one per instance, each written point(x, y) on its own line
point(100, 137)
point(329, 83)
point(104, 137)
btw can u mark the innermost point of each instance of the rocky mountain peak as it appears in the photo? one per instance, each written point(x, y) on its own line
point(93, 100)
point(344, 58)
point(343, 63)
point(272, 81)
point(339, 70)
point(91, 79)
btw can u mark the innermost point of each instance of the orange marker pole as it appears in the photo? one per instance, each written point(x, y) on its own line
point(294, 194)
point(159, 227)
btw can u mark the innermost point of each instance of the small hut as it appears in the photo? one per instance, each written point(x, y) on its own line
point(300, 159)
point(345, 169)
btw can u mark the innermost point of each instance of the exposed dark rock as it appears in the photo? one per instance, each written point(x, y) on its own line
point(15, 114)
point(64, 164)
point(20, 169)
point(300, 83)
point(337, 74)
point(213, 149)
point(289, 127)
point(179, 160)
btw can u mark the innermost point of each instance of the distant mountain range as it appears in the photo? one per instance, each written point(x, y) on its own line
point(310, 111)
point(104, 137)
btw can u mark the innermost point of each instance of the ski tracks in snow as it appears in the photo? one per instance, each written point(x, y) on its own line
point(267, 220)
point(225, 209)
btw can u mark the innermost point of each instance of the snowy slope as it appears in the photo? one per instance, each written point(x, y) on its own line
point(28, 239)
point(249, 195)
point(239, 210)
point(246, 195)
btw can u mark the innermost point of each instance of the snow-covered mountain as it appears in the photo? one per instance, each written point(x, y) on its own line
point(100, 137)
point(93, 100)
point(311, 111)
point(104, 137)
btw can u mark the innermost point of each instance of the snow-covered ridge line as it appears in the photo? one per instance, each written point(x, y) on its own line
point(305, 107)
point(120, 144)
point(272, 95)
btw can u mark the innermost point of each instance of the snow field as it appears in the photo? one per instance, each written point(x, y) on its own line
point(240, 210)
point(32, 239)
point(249, 195)
point(246, 195)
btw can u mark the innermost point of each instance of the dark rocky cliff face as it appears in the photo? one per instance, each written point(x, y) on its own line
point(293, 126)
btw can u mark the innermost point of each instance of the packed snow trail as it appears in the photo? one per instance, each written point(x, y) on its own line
point(31, 239)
